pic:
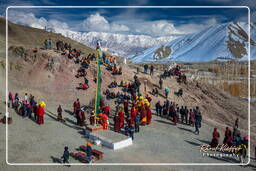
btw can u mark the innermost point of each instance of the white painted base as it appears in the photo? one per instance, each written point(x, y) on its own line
point(121, 141)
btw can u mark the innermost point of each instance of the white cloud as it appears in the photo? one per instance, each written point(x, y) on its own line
point(57, 24)
point(29, 19)
point(96, 22)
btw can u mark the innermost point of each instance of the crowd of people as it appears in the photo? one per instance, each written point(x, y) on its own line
point(27, 106)
point(232, 140)
point(177, 114)
point(132, 109)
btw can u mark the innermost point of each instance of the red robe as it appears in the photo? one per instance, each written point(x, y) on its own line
point(81, 117)
point(40, 115)
point(117, 123)
point(215, 138)
point(133, 114)
point(121, 116)
point(76, 106)
point(149, 116)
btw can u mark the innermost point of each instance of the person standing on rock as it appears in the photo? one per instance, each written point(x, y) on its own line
point(160, 83)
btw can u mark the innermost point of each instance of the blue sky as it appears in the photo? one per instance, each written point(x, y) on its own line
point(153, 22)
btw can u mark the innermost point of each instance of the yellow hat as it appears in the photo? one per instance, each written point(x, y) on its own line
point(42, 104)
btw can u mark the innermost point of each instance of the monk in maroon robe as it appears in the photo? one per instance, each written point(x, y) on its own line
point(117, 123)
point(121, 117)
point(215, 138)
point(149, 116)
point(76, 106)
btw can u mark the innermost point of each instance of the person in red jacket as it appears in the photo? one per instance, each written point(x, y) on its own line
point(149, 116)
point(215, 138)
point(40, 115)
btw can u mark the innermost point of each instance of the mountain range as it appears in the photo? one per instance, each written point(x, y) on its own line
point(227, 41)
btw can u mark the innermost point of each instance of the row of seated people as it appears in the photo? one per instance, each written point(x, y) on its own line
point(182, 79)
point(115, 70)
point(113, 95)
point(114, 84)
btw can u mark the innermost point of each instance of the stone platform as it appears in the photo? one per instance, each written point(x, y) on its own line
point(111, 139)
point(92, 128)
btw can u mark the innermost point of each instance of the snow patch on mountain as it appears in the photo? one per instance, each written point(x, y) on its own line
point(223, 41)
point(118, 44)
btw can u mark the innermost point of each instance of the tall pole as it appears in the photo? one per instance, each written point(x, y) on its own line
point(97, 97)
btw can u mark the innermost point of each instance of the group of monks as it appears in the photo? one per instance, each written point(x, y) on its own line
point(141, 109)
point(79, 113)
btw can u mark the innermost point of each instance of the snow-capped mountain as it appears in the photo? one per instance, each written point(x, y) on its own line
point(223, 41)
point(119, 44)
